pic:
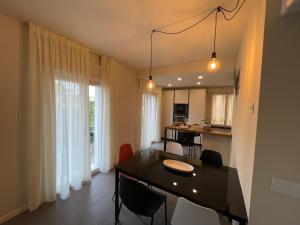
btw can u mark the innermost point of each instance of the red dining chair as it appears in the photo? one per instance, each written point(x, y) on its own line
point(125, 154)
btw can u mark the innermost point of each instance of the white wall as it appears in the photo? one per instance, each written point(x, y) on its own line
point(277, 152)
point(245, 122)
point(13, 185)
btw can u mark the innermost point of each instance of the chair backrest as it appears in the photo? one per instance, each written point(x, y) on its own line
point(136, 196)
point(188, 213)
point(211, 157)
point(186, 138)
point(174, 148)
point(125, 152)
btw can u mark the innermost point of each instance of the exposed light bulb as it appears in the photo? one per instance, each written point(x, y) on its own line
point(150, 84)
point(213, 64)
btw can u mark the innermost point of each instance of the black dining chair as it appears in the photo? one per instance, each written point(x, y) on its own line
point(187, 140)
point(211, 157)
point(140, 199)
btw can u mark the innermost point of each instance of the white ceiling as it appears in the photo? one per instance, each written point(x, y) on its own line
point(121, 29)
point(189, 73)
point(191, 80)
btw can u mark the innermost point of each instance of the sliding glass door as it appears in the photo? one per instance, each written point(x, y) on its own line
point(93, 111)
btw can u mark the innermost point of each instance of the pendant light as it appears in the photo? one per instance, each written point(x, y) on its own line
point(214, 64)
point(151, 84)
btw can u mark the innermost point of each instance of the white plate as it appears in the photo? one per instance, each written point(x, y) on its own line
point(178, 165)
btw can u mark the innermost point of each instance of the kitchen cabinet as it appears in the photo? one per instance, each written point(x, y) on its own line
point(167, 110)
point(181, 96)
point(197, 106)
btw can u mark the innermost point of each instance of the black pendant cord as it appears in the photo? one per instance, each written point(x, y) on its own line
point(189, 27)
point(218, 9)
point(216, 23)
point(151, 49)
point(231, 10)
point(234, 15)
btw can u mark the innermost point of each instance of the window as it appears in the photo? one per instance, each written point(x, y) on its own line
point(222, 110)
point(92, 112)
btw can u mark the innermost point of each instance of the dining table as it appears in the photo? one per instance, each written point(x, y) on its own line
point(217, 188)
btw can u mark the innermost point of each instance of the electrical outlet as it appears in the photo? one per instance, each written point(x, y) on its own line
point(286, 187)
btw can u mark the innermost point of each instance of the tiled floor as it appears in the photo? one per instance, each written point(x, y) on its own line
point(92, 205)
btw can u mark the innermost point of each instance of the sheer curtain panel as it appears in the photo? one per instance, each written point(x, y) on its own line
point(104, 123)
point(150, 115)
point(218, 112)
point(57, 116)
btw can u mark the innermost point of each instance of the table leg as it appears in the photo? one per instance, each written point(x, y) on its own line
point(165, 139)
point(117, 196)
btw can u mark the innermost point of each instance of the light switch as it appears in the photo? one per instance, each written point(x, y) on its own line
point(252, 108)
point(286, 187)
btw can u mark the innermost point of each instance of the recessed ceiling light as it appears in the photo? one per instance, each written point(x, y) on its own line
point(179, 78)
point(198, 83)
point(169, 85)
point(200, 77)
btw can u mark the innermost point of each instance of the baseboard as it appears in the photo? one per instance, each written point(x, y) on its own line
point(13, 214)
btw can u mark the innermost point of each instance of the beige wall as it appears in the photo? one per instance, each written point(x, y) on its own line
point(277, 153)
point(125, 89)
point(244, 122)
point(13, 186)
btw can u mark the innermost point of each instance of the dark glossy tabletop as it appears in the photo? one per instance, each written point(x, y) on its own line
point(216, 188)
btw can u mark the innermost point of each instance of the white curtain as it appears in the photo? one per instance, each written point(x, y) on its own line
point(218, 109)
point(103, 119)
point(229, 110)
point(56, 116)
point(150, 115)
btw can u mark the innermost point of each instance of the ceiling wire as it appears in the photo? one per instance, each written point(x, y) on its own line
point(231, 10)
point(217, 10)
point(234, 15)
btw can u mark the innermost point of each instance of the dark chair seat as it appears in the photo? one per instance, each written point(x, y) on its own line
point(211, 157)
point(140, 199)
point(187, 140)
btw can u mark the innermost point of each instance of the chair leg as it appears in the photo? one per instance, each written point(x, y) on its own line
point(113, 197)
point(120, 208)
point(152, 220)
point(166, 218)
